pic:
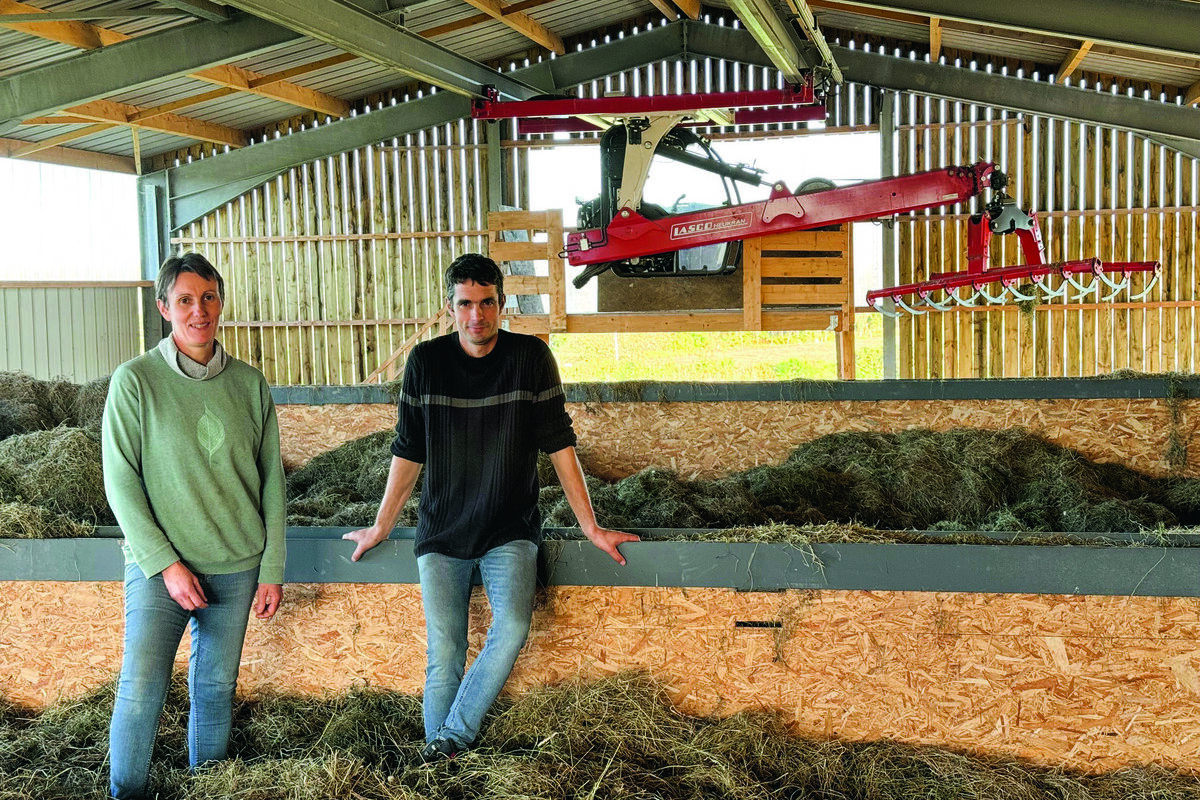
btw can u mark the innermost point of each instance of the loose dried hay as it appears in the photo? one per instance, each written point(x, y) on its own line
point(617, 738)
point(23, 521)
point(59, 470)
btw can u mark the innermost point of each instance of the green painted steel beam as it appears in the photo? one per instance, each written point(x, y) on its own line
point(369, 36)
point(1163, 26)
point(1098, 566)
point(954, 83)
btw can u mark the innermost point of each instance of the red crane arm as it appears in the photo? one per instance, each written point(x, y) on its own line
point(630, 235)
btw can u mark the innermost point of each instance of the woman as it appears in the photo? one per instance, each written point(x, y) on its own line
point(193, 474)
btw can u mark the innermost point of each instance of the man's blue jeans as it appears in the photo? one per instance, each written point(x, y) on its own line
point(454, 707)
point(154, 625)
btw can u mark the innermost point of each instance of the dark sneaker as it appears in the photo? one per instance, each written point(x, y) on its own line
point(441, 749)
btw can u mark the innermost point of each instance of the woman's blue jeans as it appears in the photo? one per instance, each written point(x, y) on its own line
point(154, 625)
point(453, 706)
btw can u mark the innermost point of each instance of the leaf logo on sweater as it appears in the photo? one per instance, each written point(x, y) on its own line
point(210, 432)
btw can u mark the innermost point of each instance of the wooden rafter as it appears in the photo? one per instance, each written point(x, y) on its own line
point(1073, 60)
point(522, 23)
point(120, 114)
point(690, 8)
point(231, 78)
point(67, 156)
point(467, 22)
point(76, 34)
point(667, 8)
point(935, 39)
point(1192, 94)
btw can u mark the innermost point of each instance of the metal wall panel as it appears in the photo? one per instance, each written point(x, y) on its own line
point(80, 333)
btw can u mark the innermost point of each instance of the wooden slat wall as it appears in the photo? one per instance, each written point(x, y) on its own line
point(333, 265)
point(1098, 192)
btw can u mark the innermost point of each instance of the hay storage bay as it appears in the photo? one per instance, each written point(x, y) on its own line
point(1089, 682)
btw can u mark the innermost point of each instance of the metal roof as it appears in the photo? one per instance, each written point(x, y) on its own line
point(151, 55)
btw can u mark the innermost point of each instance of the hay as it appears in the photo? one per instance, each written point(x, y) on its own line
point(617, 738)
point(23, 521)
point(965, 479)
point(57, 469)
point(40, 405)
point(343, 487)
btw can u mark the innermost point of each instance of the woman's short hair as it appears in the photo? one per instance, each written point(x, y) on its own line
point(473, 267)
point(168, 273)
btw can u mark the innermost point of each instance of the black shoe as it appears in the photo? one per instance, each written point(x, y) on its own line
point(441, 748)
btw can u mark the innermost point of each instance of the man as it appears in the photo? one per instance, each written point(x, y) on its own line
point(475, 408)
point(193, 473)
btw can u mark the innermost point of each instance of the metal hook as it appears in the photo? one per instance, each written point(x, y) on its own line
point(1018, 296)
point(900, 302)
point(893, 314)
point(1084, 291)
point(929, 301)
point(1118, 287)
point(968, 303)
point(1050, 294)
point(982, 289)
point(1149, 286)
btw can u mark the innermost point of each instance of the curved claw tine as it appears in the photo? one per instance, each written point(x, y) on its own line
point(1047, 291)
point(929, 301)
point(879, 307)
point(1117, 288)
point(969, 303)
point(1137, 297)
point(984, 292)
point(1084, 291)
point(900, 302)
point(1018, 296)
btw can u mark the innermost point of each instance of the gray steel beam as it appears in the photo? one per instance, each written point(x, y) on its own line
point(154, 229)
point(955, 83)
point(201, 186)
point(365, 34)
point(318, 555)
point(1164, 26)
point(1162, 387)
point(138, 62)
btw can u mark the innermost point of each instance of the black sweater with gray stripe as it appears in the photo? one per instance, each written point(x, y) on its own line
point(477, 425)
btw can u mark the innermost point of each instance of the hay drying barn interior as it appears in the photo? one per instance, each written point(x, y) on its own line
point(331, 158)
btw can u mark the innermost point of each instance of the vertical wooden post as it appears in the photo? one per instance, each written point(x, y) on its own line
point(752, 284)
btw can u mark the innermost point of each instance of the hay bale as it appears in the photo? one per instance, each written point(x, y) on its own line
point(59, 470)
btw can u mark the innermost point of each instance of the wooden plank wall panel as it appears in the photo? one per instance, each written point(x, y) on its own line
point(1089, 683)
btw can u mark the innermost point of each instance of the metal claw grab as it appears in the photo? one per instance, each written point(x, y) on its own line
point(1001, 216)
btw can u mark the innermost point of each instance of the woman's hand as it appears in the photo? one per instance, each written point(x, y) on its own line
point(267, 599)
point(184, 587)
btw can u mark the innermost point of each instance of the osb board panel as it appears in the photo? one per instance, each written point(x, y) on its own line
point(707, 440)
point(306, 431)
point(1092, 683)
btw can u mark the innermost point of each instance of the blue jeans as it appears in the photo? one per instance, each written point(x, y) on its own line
point(154, 625)
point(454, 706)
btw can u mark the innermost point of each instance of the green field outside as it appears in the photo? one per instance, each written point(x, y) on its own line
point(716, 357)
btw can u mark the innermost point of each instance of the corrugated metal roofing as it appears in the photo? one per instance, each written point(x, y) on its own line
point(489, 41)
